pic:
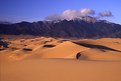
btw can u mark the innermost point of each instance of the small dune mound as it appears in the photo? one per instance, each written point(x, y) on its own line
point(14, 48)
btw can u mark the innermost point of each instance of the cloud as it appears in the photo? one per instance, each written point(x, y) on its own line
point(70, 14)
point(53, 17)
point(105, 14)
point(73, 14)
point(87, 11)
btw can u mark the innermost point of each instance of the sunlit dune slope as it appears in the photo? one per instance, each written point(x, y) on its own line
point(46, 47)
point(64, 50)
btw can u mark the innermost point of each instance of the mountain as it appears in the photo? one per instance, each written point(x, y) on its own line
point(87, 27)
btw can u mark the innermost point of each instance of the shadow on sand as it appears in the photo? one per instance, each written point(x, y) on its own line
point(103, 48)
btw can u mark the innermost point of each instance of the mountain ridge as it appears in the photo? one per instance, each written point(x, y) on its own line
point(86, 27)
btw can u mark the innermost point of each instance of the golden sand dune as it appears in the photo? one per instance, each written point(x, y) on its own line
point(98, 54)
point(64, 50)
point(114, 43)
point(99, 51)
point(30, 58)
point(46, 47)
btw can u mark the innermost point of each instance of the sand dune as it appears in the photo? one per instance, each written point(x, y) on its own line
point(42, 47)
point(64, 50)
point(97, 54)
point(30, 58)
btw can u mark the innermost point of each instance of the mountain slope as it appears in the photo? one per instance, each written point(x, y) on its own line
point(66, 29)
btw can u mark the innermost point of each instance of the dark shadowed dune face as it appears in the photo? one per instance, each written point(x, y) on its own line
point(78, 55)
point(3, 45)
point(49, 46)
point(27, 49)
point(103, 48)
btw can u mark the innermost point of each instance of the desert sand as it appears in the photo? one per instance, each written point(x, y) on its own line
point(30, 58)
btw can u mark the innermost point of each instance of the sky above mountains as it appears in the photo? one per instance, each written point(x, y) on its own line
point(35, 10)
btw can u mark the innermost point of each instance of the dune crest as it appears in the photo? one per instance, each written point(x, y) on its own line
point(28, 47)
point(64, 50)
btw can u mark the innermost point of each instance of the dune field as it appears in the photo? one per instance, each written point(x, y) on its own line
point(34, 58)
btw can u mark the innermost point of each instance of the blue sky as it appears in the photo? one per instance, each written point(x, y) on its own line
point(35, 10)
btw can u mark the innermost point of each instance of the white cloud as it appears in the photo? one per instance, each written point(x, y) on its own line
point(105, 14)
point(72, 14)
point(87, 11)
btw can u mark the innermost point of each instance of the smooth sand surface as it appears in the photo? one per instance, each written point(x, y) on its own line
point(61, 70)
point(30, 58)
